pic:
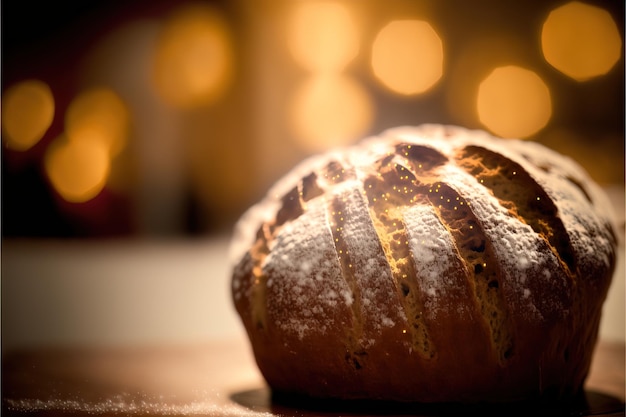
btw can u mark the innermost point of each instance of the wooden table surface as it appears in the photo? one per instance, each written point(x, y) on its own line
point(216, 379)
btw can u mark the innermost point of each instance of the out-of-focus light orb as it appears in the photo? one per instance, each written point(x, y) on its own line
point(193, 58)
point(322, 36)
point(330, 110)
point(78, 170)
point(98, 114)
point(513, 102)
point(27, 113)
point(407, 56)
point(472, 62)
point(580, 40)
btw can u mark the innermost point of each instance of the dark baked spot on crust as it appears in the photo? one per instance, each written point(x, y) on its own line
point(335, 172)
point(422, 157)
point(405, 289)
point(291, 207)
point(355, 359)
point(309, 189)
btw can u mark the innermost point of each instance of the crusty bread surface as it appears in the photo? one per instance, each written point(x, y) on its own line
point(426, 264)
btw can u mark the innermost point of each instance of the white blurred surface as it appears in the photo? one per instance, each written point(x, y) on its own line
point(135, 292)
point(115, 292)
point(612, 325)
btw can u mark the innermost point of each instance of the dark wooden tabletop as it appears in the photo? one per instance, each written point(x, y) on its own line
point(221, 379)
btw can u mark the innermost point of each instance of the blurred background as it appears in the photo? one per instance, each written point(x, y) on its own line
point(134, 133)
point(169, 118)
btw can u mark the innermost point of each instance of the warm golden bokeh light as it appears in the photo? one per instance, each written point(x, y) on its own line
point(98, 114)
point(513, 102)
point(407, 56)
point(330, 110)
point(476, 58)
point(581, 41)
point(322, 36)
point(27, 113)
point(193, 57)
point(77, 170)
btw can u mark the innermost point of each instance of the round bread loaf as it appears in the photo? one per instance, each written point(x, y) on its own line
point(428, 264)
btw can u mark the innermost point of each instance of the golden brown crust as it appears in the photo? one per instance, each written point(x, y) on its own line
point(430, 264)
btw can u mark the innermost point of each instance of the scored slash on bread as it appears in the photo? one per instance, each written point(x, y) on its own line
point(430, 263)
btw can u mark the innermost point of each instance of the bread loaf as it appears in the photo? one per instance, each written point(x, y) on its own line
point(428, 264)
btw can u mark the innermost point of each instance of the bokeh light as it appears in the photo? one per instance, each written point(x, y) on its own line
point(200, 106)
point(407, 56)
point(330, 110)
point(581, 41)
point(513, 102)
point(98, 114)
point(77, 170)
point(322, 36)
point(27, 113)
point(475, 59)
point(193, 58)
